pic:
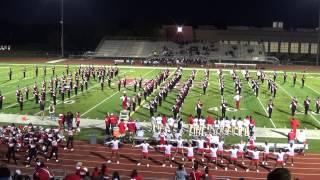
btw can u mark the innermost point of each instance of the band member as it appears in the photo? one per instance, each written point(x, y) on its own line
point(151, 108)
point(293, 106)
point(303, 80)
point(306, 105)
point(10, 73)
point(204, 87)
point(257, 89)
point(109, 82)
point(36, 70)
point(21, 102)
point(24, 72)
point(317, 105)
point(294, 79)
point(54, 97)
point(274, 76)
point(102, 84)
point(70, 134)
point(285, 77)
point(135, 85)
point(26, 90)
point(199, 108)
point(223, 108)
point(221, 88)
point(119, 85)
point(270, 108)
point(1, 100)
point(53, 70)
point(32, 152)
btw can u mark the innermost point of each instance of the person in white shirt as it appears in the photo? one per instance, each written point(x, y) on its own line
point(290, 153)
point(301, 139)
point(159, 122)
point(179, 149)
point(241, 148)
point(246, 123)
point(233, 126)
point(266, 151)
point(170, 124)
point(153, 124)
point(190, 153)
point(254, 159)
point(115, 149)
point(213, 157)
point(200, 143)
point(195, 126)
point(233, 158)
point(202, 125)
point(167, 153)
point(240, 126)
point(279, 158)
point(216, 127)
point(227, 124)
point(220, 150)
point(237, 98)
point(145, 152)
point(222, 125)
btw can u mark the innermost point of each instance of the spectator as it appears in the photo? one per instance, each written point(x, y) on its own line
point(115, 176)
point(4, 172)
point(135, 175)
point(104, 172)
point(181, 173)
point(42, 173)
point(195, 174)
point(279, 174)
point(207, 175)
point(95, 174)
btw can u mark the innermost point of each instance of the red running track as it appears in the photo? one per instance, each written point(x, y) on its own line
point(305, 167)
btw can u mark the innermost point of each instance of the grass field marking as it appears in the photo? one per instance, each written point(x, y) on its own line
point(106, 99)
point(298, 104)
point(265, 110)
point(143, 101)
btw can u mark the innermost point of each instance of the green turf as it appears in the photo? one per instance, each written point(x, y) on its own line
point(96, 103)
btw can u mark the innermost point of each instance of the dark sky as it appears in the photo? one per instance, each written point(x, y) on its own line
point(294, 13)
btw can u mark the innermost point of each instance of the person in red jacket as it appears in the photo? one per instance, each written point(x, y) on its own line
point(113, 121)
point(164, 121)
point(196, 174)
point(294, 125)
point(210, 122)
point(132, 128)
point(122, 129)
point(42, 173)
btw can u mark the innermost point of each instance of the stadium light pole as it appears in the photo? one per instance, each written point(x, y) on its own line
point(62, 30)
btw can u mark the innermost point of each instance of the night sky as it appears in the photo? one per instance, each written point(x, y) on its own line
point(35, 23)
point(294, 13)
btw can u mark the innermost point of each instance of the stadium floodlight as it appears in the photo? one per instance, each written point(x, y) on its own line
point(179, 29)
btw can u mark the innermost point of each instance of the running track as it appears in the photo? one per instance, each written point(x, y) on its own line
point(305, 167)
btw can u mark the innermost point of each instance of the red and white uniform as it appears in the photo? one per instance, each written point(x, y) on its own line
point(180, 144)
point(115, 145)
point(241, 147)
point(279, 156)
point(291, 151)
point(266, 150)
point(167, 150)
point(233, 154)
point(237, 99)
point(213, 153)
point(200, 145)
point(220, 147)
point(190, 153)
point(162, 137)
point(145, 148)
point(78, 119)
point(254, 156)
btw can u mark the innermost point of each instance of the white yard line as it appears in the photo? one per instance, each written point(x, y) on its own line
point(265, 110)
point(106, 99)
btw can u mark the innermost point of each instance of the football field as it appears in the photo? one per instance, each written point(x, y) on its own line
point(95, 103)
